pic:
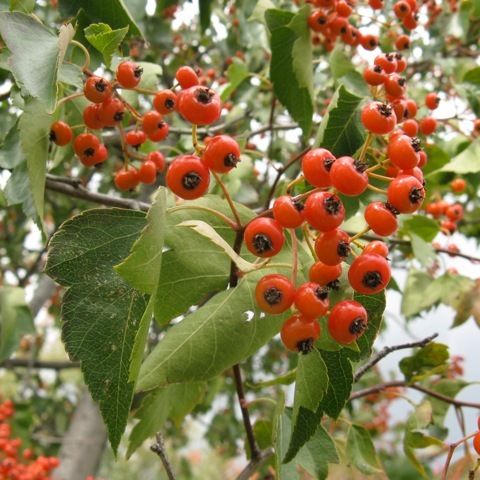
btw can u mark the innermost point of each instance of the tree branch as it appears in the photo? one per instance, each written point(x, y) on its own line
point(159, 448)
point(38, 364)
point(254, 465)
point(385, 386)
point(387, 350)
point(268, 128)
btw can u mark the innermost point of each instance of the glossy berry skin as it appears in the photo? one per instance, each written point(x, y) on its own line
point(126, 179)
point(427, 125)
point(186, 77)
point(348, 176)
point(264, 237)
point(85, 145)
point(413, 172)
point(374, 75)
point(376, 247)
point(91, 116)
point(410, 127)
point(151, 122)
point(369, 41)
point(403, 151)
point(405, 193)
point(221, 153)
point(165, 102)
point(458, 185)
point(395, 85)
point(401, 9)
point(432, 101)
point(423, 159)
point(199, 105)
point(454, 212)
point(324, 211)
point(158, 159)
point(369, 274)
point(381, 219)
point(311, 300)
point(347, 321)
point(111, 112)
point(387, 62)
point(411, 108)
point(298, 334)
point(287, 212)
point(60, 133)
point(324, 275)
point(402, 42)
point(332, 247)
point(129, 74)
point(318, 21)
point(160, 133)
point(97, 89)
point(100, 155)
point(316, 165)
point(135, 138)
point(476, 443)
point(274, 293)
point(378, 118)
point(188, 177)
point(147, 173)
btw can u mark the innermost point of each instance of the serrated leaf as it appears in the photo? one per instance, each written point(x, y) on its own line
point(11, 154)
point(101, 312)
point(291, 63)
point(173, 401)
point(466, 161)
point(237, 72)
point(105, 40)
point(425, 361)
point(15, 320)
point(340, 130)
point(361, 451)
point(36, 54)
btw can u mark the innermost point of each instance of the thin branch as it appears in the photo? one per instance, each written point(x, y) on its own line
point(254, 465)
point(159, 448)
point(451, 450)
point(268, 128)
point(389, 349)
point(38, 364)
point(385, 386)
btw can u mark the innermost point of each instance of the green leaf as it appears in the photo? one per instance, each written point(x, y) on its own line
point(427, 360)
point(466, 161)
point(105, 40)
point(173, 401)
point(205, 7)
point(258, 14)
point(473, 76)
point(34, 128)
point(415, 297)
point(449, 388)
point(111, 12)
point(291, 63)
point(71, 74)
point(340, 130)
point(437, 158)
point(11, 154)
point(361, 451)
point(25, 6)
point(101, 312)
point(423, 251)
point(285, 379)
point(237, 72)
point(17, 191)
point(339, 63)
point(15, 320)
point(311, 382)
point(36, 54)
point(424, 227)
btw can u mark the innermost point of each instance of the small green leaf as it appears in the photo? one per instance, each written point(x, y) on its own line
point(237, 72)
point(339, 63)
point(449, 388)
point(414, 296)
point(466, 161)
point(427, 360)
point(423, 251)
point(361, 451)
point(11, 154)
point(437, 158)
point(340, 130)
point(285, 379)
point(473, 76)
point(105, 40)
point(25, 6)
point(424, 227)
point(205, 7)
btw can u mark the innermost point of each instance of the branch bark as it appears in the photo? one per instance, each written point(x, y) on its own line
point(254, 465)
point(38, 364)
point(159, 448)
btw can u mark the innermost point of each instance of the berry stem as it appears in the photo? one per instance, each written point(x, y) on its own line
point(373, 168)
point(306, 235)
point(365, 146)
point(294, 182)
point(69, 97)
point(376, 189)
point(379, 177)
point(451, 450)
point(126, 158)
point(129, 107)
point(195, 142)
point(218, 214)
point(146, 91)
point(294, 255)
point(86, 63)
point(228, 198)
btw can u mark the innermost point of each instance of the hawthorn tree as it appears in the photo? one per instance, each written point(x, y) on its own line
point(206, 201)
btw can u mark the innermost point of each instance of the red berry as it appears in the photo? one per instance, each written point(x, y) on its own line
point(129, 74)
point(199, 105)
point(476, 443)
point(111, 112)
point(221, 154)
point(100, 155)
point(188, 177)
point(375, 75)
point(369, 41)
point(410, 108)
point(347, 321)
point(410, 21)
point(432, 100)
point(311, 300)
point(147, 173)
point(324, 211)
point(91, 116)
point(298, 334)
point(274, 293)
point(287, 212)
point(369, 274)
point(85, 145)
point(402, 42)
point(381, 219)
point(325, 275)
point(135, 138)
point(378, 118)
point(97, 89)
point(376, 247)
point(428, 125)
point(186, 77)
point(158, 159)
point(343, 8)
point(264, 237)
point(403, 151)
point(401, 63)
point(316, 165)
point(405, 194)
point(410, 127)
point(332, 247)
point(318, 21)
point(401, 9)
point(60, 133)
point(126, 179)
point(151, 122)
point(387, 62)
point(161, 133)
point(165, 102)
point(458, 185)
point(454, 212)
point(395, 85)
point(348, 176)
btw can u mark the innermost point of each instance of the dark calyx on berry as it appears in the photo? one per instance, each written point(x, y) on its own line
point(328, 162)
point(138, 72)
point(360, 166)
point(118, 117)
point(299, 206)
point(377, 69)
point(333, 285)
point(402, 81)
point(204, 95)
point(391, 208)
point(332, 205)
point(262, 243)
point(89, 152)
point(372, 279)
point(358, 326)
point(343, 249)
point(321, 293)
point(230, 160)
point(416, 195)
point(273, 295)
point(160, 125)
point(385, 109)
point(169, 103)
point(52, 136)
point(191, 180)
point(101, 85)
point(305, 346)
point(416, 144)
point(398, 56)
point(390, 57)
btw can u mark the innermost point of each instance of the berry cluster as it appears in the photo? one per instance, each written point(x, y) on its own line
point(451, 214)
point(14, 463)
point(188, 175)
